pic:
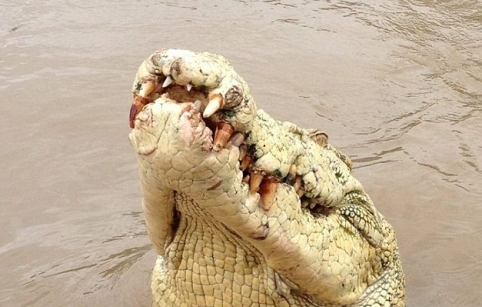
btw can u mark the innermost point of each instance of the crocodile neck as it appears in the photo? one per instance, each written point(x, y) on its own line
point(207, 263)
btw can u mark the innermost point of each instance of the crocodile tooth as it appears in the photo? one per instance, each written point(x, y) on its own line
point(197, 106)
point(222, 135)
point(147, 88)
point(243, 149)
point(189, 87)
point(137, 105)
point(132, 115)
point(214, 104)
point(301, 191)
point(304, 203)
point(312, 204)
point(255, 181)
point(297, 183)
point(246, 179)
point(237, 139)
point(267, 191)
point(246, 162)
point(167, 82)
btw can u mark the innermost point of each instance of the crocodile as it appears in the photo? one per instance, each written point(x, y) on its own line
point(245, 210)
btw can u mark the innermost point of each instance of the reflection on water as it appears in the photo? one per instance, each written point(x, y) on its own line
point(397, 84)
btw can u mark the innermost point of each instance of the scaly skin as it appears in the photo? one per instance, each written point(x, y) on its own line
point(258, 213)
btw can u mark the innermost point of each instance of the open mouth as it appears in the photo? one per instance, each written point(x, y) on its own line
point(198, 99)
point(204, 148)
point(199, 107)
point(215, 97)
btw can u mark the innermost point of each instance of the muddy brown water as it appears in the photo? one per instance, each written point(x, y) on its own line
point(397, 84)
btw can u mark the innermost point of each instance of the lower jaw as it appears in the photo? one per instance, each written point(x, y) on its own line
point(207, 259)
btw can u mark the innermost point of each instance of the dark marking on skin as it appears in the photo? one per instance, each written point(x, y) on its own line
point(278, 285)
point(228, 113)
point(290, 179)
point(176, 218)
point(234, 97)
point(277, 173)
point(215, 186)
point(323, 210)
point(252, 149)
point(264, 234)
point(176, 66)
point(298, 293)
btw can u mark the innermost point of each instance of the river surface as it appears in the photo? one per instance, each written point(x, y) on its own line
point(397, 84)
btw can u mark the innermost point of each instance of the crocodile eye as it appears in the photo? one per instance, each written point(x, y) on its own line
point(138, 86)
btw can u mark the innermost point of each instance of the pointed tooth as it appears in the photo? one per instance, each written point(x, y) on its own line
point(137, 105)
point(301, 192)
point(293, 170)
point(297, 183)
point(267, 191)
point(312, 204)
point(252, 202)
point(246, 162)
point(304, 203)
point(255, 181)
point(246, 179)
point(147, 88)
point(189, 87)
point(214, 104)
point(132, 115)
point(222, 135)
point(243, 149)
point(237, 139)
point(197, 106)
point(167, 82)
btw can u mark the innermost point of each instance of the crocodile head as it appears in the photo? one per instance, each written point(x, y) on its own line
point(234, 198)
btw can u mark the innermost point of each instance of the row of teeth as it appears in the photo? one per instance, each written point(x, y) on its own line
point(225, 136)
point(265, 184)
point(223, 132)
point(215, 103)
point(259, 181)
